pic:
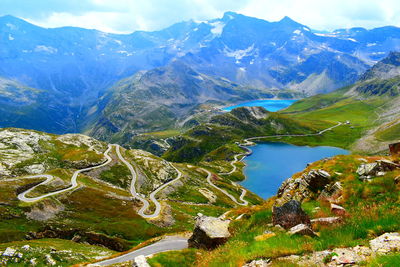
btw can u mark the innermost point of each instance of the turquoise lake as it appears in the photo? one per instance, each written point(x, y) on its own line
point(268, 104)
point(272, 163)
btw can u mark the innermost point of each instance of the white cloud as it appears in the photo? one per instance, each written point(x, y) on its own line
point(130, 15)
point(327, 14)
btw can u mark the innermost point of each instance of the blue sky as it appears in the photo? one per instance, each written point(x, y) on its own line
point(124, 16)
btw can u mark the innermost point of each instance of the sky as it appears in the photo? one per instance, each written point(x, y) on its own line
point(126, 16)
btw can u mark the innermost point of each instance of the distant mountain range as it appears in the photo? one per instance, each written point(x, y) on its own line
point(77, 69)
point(369, 112)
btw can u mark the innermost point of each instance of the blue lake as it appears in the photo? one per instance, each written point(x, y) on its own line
point(268, 104)
point(272, 163)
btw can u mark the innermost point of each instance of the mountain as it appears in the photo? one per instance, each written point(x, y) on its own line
point(170, 97)
point(367, 110)
point(81, 65)
point(104, 210)
point(209, 141)
point(371, 105)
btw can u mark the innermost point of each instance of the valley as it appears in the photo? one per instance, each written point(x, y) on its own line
point(232, 141)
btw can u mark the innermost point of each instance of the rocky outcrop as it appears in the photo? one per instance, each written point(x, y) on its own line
point(331, 191)
point(377, 168)
point(382, 245)
point(113, 243)
point(258, 263)
point(301, 188)
point(18, 145)
point(209, 232)
point(290, 214)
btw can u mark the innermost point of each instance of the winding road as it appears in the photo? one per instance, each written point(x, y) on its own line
point(74, 183)
point(248, 142)
point(135, 194)
point(294, 135)
point(168, 244)
point(243, 203)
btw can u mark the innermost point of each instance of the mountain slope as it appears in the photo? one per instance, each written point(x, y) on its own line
point(164, 98)
point(100, 209)
point(371, 105)
point(206, 141)
point(79, 64)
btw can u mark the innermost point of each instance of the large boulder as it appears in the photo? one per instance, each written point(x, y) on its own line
point(317, 179)
point(303, 187)
point(289, 214)
point(209, 232)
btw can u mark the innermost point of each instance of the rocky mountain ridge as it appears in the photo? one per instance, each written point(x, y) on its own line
point(79, 65)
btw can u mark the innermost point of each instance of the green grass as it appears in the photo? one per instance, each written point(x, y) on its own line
point(373, 208)
point(386, 260)
point(173, 258)
point(64, 252)
point(118, 175)
point(389, 134)
point(164, 134)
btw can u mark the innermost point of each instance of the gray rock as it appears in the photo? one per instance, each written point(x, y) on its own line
point(209, 232)
point(302, 229)
point(26, 247)
point(33, 261)
point(327, 220)
point(9, 252)
point(50, 260)
point(289, 215)
point(258, 263)
point(331, 190)
point(386, 243)
point(140, 261)
point(377, 168)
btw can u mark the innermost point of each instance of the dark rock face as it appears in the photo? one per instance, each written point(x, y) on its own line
point(209, 232)
point(394, 149)
point(290, 214)
point(80, 236)
point(317, 179)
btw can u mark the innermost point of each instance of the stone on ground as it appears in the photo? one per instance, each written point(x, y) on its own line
point(302, 229)
point(209, 232)
point(338, 210)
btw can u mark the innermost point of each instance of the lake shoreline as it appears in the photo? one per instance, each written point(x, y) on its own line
point(274, 162)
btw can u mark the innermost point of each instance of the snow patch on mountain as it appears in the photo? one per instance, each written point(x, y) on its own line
point(46, 49)
point(218, 27)
point(239, 54)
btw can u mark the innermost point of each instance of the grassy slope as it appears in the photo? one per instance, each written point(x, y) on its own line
point(96, 206)
point(228, 128)
point(373, 208)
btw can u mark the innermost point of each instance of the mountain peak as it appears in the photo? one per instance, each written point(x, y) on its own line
point(387, 68)
point(229, 15)
point(287, 21)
